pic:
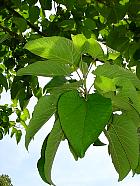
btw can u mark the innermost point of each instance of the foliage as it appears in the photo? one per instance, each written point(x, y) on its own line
point(5, 180)
point(67, 46)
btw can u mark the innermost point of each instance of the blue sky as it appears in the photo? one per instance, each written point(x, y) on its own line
point(95, 168)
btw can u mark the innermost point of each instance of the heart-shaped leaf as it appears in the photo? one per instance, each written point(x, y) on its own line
point(83, 120)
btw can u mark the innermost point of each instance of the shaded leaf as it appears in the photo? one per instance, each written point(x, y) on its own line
point(44, 109)
point(48, 151)
point(53, 142)
point(98, 143)
point(123, 145)
point(3, 81)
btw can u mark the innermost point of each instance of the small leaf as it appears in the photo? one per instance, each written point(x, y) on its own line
point(44, 109)
point(18, 135)
point(123, 145)
point(56, 48)
point(34, 12)
point(83, 121)
point(98, 143)
point(45, 68)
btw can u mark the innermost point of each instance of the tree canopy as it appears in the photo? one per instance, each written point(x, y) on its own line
point(66, 41)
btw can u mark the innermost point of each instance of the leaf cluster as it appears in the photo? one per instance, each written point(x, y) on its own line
point(67, 44)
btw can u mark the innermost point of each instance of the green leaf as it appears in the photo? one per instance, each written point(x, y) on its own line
point(41, 161)
point(47, 68)
point(55, 82)
point(18, 135)
point(34, 12)
point(53, 142)
point(137, 171)
point(82, 121)
point(115, 71)
point(98, 143)
point(55, 48)
point(3, 81)
point(128, 92)
point(94, 48)
point(48, 151)
point(123, 145)
point(4, 37)
point(20, 23)
point(73, 152)
point(68, 25)
point(105, 84)
point(46, 4)
point(45, 108)
point(89, 24)
point(66, 87)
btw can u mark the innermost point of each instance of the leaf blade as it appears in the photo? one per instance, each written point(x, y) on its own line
point(123, 145)
point(79, 121)
point(47, 68)
point(43, 111)
point(56, 48)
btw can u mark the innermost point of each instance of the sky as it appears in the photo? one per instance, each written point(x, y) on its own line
point(95, 168)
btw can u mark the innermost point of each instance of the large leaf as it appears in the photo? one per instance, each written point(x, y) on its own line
point(48, 151)
point(55, 48)
point(45, 108)
point(123, 145)
point(47, 68)
point(115, 71)
point(82, 121)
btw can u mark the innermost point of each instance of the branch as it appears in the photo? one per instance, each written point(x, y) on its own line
point(36, 29)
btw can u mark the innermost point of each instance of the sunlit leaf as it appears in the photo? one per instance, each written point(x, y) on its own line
point(55, 48)
point(46, 68)
point(82, 121)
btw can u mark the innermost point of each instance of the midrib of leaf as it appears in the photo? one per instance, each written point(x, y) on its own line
point(83, 144)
